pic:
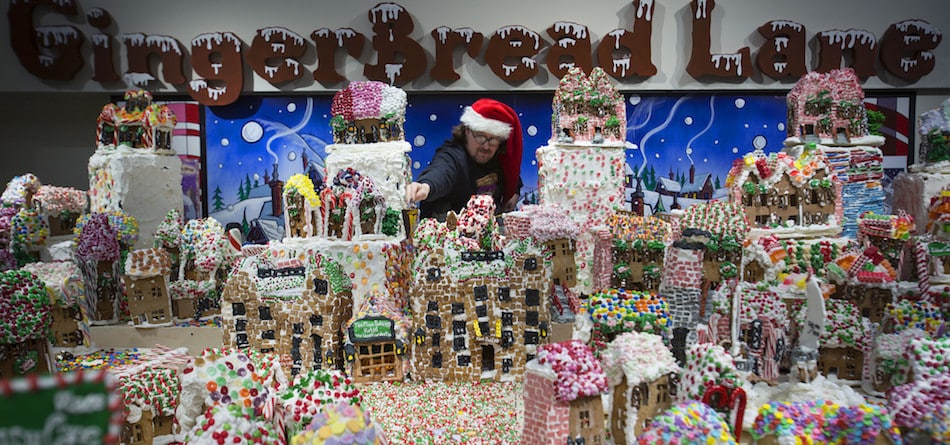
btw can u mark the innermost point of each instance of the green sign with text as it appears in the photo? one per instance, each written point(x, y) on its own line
point(372, 329)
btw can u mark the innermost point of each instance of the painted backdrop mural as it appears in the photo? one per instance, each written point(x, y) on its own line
point(684, 142)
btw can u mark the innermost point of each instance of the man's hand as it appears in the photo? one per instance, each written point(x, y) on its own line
point(511, 205)
point(417, 191)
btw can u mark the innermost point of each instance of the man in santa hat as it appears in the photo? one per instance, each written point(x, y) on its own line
point(482, 158)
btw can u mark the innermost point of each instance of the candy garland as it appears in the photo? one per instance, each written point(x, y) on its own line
point(687, 423)
point(339, 424)
point(25, 308)
point(706, 363)
point(579, 374)
point(638, 357)
point(443, 413)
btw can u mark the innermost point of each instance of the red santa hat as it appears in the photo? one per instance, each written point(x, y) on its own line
point(497, 119)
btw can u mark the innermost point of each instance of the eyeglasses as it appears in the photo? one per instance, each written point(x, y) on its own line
point(481, 139)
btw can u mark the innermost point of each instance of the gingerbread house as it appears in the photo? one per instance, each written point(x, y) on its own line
point(479, 306)
point(889, 367)
point(368, 112)
point(588, 109)
point(25, 321)
point(206, 256)
point(562, 396)
point(28, 234)
point(782, 191)
point(139, 124)
point(377, 341)
point(149, 389)
point(638, 247)
point(291, 308)
point(351, 206)
point(146, 287)
point(890, 234)
point(845, 341)
point(643, 377)
point(99, 251)
point(168, 237)
point(20, 191)
point(763, 325)
point(72, 310)
point(827, 107)
point(300, 207)
point(61, 206)
point(867, 279)
point(727, 226)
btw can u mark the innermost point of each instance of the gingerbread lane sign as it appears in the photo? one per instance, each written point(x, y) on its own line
point(218, 58)
point(68, 408)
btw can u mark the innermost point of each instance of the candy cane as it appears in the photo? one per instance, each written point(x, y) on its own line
point(923, 274)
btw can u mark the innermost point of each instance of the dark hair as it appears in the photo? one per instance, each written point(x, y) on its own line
point(458, 136)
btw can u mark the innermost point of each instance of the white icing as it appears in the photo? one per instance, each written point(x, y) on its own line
point(143, 185)
point(871, 140)
point(386, 163)
point(587, 181)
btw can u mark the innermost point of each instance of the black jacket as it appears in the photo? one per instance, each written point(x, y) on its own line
point(453, 178)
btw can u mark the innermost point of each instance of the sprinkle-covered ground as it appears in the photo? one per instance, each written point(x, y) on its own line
point(434, 413)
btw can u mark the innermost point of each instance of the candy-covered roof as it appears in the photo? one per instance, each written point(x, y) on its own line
point(151, 262)
point(769, 170)
point(578, 372)
point(720, 218)
point(638, 357)
point(25, 307)
point(844, 325)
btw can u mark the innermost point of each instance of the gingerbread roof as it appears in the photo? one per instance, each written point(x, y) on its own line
point(151, 262)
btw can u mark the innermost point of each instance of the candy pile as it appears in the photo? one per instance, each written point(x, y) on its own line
point(579, 374)
point(687, 423)
point(476, 218)
point(104, 359)
point(640, 357)
point(339, 424)
point(706, 364)
point(447, 413)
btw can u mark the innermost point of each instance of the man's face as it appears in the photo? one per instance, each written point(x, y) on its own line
point(480, 146)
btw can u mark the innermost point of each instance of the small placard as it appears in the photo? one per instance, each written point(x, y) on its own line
point(372, 329)
point(67, 408)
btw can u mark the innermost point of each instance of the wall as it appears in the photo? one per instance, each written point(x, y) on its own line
point(48, 126)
